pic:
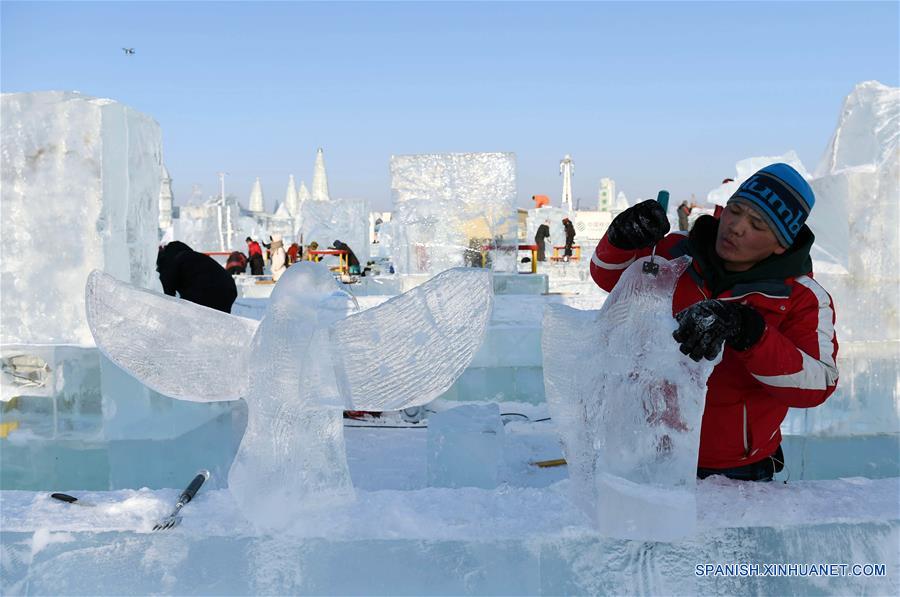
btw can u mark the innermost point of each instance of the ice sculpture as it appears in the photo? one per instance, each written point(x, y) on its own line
point(81, 183)
point(297, 369)
point(449, 206)
point(630, 424)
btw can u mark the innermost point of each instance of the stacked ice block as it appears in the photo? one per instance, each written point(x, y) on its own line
point(465, 446)
point(449, 208)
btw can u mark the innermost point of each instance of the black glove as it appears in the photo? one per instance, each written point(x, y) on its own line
point(639, 226)
point(705, 326)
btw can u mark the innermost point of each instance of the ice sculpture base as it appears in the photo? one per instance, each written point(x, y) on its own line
point(521, 283)
point(518, 541)
point(629, 509)
point(465, 446)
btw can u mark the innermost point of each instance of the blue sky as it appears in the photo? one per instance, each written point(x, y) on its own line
point(655, 95)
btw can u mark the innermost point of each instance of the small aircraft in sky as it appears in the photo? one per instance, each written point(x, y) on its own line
point(128, 50)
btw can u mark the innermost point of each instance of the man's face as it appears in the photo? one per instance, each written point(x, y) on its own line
point(744, 239)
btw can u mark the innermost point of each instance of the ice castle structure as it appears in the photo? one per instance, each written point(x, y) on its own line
point(453, 209)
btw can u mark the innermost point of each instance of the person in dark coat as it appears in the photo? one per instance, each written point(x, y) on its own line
point(254, 252)
point(195, 277)
point(352, 261)
point(542, 234)
point(570, 238)
point(236, 264)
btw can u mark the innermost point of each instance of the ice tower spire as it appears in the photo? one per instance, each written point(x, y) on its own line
point(257, 204)
point(291, 202)
point(302, 194)
point(567, 168)
point(320, 180)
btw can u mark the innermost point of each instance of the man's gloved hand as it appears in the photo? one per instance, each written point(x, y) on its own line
point(705, 326)
point(639, 226)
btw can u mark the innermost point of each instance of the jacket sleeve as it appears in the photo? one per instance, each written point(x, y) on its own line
point(608, 262)
point(797, 361)
point(168, 279)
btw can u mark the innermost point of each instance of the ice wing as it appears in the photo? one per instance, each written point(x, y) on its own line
point(173, 346)
point(412, 348)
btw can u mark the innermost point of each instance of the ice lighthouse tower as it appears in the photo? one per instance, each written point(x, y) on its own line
point(165, 200)
point(567, 168)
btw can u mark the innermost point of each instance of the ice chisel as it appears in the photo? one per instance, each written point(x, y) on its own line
point(186, 496)
point(651, 267)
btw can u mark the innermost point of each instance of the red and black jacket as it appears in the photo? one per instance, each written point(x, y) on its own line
point(792, 365)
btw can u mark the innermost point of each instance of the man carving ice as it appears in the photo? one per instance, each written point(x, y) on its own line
point(749, 288)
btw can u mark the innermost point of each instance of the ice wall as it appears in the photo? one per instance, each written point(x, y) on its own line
point(346, 220)
point(448, 206)
point(80, 190)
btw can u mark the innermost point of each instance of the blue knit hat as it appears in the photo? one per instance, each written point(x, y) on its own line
point(783, 198)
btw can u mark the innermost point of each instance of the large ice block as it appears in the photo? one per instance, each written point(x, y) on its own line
point(346, 220)
point(630, 416)
point(80, 181)
point(449, 207)
point(858, 187)
point(465, 446)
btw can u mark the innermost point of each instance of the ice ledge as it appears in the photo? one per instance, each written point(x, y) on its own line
point(462, 514)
